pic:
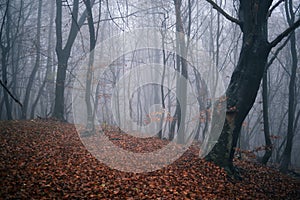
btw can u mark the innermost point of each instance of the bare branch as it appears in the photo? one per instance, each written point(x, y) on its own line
point(275, 54)
point(3, 20)
point(223, 12)
point(10, 94)
point(107, 6)
point(114, 18)
point(296, 120)
point(284, 34)
point(275, 6)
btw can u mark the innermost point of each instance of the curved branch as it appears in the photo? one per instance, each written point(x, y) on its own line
point(10, 94)
point(284, 34)
point(277, 52)
point(3, 21)
point(275, 6)
point(224, 13)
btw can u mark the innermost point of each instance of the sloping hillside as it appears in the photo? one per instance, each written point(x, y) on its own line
point(45, 159)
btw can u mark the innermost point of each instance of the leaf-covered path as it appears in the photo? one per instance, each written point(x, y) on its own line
point(44, 159)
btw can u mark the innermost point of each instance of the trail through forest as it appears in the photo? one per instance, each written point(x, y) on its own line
point(45, 159)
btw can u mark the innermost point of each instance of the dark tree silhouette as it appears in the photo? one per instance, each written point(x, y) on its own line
point(36, 65)
point(5, 46)
point(63, 53)
point(246, 78)
point(93, 38)
point(287, 153)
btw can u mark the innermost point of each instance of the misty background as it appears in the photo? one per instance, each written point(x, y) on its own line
point(40, 61)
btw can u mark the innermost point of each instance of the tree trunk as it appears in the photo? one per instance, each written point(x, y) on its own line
point(48, 76)
point(63, 53)
point(5, 38)
point(58, 111)
point(36, 65)
point(90, 117)
point(181, 82)
point(286, 157)
point(4, 78)
point(268, 147)
point(162, 94)
point(245, 80)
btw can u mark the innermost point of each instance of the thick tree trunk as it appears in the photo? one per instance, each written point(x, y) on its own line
point(4, 78)
point(63, 53)
point(245, 80)
point(58, 111)
point(90, 117)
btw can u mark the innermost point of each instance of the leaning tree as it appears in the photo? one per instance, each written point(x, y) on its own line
point(241, 93)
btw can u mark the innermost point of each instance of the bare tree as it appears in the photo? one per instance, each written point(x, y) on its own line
point(37, 62)
point(49, 78)
point(286, 157)
point(265, 96)
point(181, 68)
point(5, 45)
point(63, 53)
point(93, 38)
point(12, 22)
point(245, 80)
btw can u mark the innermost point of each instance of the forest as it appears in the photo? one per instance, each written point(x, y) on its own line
point(140, 99)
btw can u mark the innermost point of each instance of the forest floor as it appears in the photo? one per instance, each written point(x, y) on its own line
point(45, 159)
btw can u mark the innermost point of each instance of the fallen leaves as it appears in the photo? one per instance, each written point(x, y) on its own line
point(42, 159)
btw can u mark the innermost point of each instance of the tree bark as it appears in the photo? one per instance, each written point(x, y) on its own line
point(48, 76)
point(36, 65)
point(63, 53)
point(181, 84)
point(268, 147)
point(246, 78)
point(5, 45)
point(286, 157)
point(90, 117)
